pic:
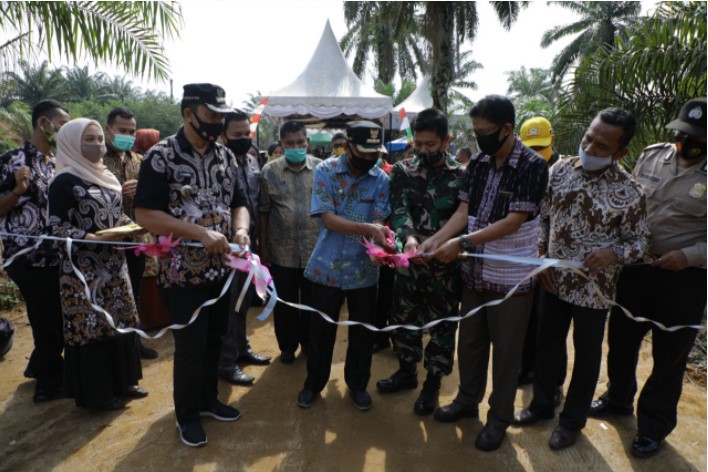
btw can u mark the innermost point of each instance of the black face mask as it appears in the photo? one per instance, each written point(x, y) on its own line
point(239, 146)
point(489, 144)
point(361, 164)
point(690, 149)
point(429, 159)
point(207, 131)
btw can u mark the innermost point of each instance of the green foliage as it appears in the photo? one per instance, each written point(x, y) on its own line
point(10, 295)
point(127, 33)
point(15, 125)
point(533, 94)
point(398, 96)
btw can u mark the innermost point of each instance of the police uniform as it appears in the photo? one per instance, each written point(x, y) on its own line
point(676, 207)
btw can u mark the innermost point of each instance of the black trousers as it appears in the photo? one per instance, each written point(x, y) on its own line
point(291, 325)
point(357, 366)
point(235, 341)
point(588, 332)
point(671, 298)
point(136, 268)
point(39, 287)
point(197, 347)
point(384, 301)
point(528, 356)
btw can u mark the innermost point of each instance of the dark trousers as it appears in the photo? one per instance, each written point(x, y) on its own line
point(39, 287)
point(671, 298)
point(588, 331)
point(291, 324)
point(197, 347)
point(528, 357)
point(384, 301)
point(357, 366)
point(501, 327)
point(235, 341)
point(136, 268)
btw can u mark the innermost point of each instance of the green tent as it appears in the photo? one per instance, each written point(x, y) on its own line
point(320, 139)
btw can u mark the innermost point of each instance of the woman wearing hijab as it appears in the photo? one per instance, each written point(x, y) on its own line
point(102, 366)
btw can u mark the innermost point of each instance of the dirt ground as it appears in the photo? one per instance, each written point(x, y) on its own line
point(274, 434)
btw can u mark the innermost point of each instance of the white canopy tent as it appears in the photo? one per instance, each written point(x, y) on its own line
point(417, 101)
point(328, 90)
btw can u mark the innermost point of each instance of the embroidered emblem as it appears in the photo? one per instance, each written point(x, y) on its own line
point(533, 132)
point(696, 113)
point(698, 190)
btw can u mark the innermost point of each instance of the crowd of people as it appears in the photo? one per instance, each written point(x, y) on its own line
point(461, 220)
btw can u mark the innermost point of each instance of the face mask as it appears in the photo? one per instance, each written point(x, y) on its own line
point(361, 164)
point(207, 131)
point(690, 149)
point(123, 142)
point(296, 156)
point(93, 152)
point(429, 159)
point(51, 137)
point(591, 162)
point(338, 151)
point(489, 144)
point(239, 146)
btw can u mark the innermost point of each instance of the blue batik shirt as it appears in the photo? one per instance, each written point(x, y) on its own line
point(340, 260)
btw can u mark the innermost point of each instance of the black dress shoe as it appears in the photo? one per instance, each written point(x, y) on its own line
point(562, 438)
point(454, 411)
point(361, 399)
point(426, 402)
point(601, 408)
point(527, 416)
point(306, 398)
point(237, 377)
point(44, 394)
point(136, 391)
point(147, 353)
point(490, 438)
point(398, 381)
point(287, 357)
point(644, 446)
point(250, 357)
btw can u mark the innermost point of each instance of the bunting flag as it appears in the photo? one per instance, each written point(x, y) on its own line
point(256, 117)
point(406, 125)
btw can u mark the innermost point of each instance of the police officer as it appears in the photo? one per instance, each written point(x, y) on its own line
point(670, 289)
point(188, 186)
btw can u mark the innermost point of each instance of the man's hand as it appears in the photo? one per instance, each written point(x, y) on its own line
point(241, 237)
point(426, 248)
point(22, 177)
point(412, 245)
point(129, 188)
point(599, 259)
point(448, 252)
point(215, 242)
point(547, 279)
point(672, 260)
point(379, 233)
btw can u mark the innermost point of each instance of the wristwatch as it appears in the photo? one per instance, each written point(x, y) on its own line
point(618, 251)
point(466, 242)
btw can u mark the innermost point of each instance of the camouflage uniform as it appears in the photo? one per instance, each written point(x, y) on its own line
point(422, 200)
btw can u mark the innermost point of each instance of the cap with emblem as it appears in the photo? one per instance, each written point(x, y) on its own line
point(692, 118)
point(366, 136)
point(210, 95)
point(537, 131)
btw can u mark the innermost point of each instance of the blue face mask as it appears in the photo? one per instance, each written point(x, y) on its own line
point(591, 162)
point(296, 156)
point(123, 142)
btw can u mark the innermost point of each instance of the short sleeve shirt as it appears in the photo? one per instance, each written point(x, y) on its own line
point(29, 215)
point(197, 189)
point(340, 260)
point(517, 186)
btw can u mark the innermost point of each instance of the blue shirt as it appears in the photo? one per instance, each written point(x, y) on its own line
point(340, 260)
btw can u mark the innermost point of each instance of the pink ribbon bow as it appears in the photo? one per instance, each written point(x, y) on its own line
point(261, 280)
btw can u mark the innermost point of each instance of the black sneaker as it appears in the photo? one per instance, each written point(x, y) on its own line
point(191, 433)
point(306, 398)
point(221, 412)
point(361, 399)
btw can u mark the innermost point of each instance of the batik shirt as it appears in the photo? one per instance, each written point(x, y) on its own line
point(340, 260)
point(581, 214)
point(201, 190)
point(423, 199)
point(517, 186)
point(29, 215)
point(124, 169)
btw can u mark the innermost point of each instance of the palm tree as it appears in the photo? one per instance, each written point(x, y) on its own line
point(465, 66)
point(128, 33)
point(15, 125)
point(120, 88)
point(599, 23)
point(82, 85)
point(35, 83)
point(532, 93)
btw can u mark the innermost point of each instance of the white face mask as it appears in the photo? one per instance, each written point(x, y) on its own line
point(591, 162)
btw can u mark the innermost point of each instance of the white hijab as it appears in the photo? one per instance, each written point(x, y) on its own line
point(69, 158)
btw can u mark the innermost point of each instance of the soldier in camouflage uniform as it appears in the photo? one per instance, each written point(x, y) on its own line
point(423, 197)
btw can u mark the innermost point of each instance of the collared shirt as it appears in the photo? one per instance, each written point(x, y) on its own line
point(491, 194)
point(29, 215)
point(423, 199)
point(126, 168)
point(250, 174)
point(676, 202)
point(340, 260)
point(198, 189)
point(286, 195)
point(581, 214)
